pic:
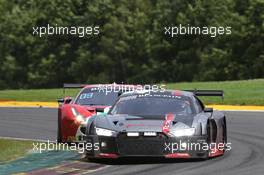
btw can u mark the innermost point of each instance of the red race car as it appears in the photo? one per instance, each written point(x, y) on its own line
point(73, 114)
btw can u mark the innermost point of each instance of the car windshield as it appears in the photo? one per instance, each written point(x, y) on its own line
point(93, 96)
point(152, 106)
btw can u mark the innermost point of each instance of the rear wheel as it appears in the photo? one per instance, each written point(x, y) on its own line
point(59, 137)
point(209, 139)
point(224, 134)
point(211, 135)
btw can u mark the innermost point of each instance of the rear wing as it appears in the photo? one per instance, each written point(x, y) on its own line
point(210, 93)
point(71, 86)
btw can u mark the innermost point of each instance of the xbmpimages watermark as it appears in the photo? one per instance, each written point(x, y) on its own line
point(212, 31)
point(40, 147)
point(80, 31)
point(130, 88)
point(174, 147)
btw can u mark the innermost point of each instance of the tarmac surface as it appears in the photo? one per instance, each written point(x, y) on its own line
point(245, 133)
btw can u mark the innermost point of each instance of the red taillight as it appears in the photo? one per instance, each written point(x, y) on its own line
point(178, 155)
point(108, 155)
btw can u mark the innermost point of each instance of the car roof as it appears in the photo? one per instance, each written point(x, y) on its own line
point(129, 93)
point(166, 92)
point(113, 85)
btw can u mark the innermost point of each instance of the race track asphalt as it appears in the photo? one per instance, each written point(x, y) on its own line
point(245, 132)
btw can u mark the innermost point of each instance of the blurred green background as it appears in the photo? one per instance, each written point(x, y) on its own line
point(131, 46)
point(245, 92)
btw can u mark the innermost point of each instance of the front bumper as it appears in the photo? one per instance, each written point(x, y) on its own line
point(146, 146)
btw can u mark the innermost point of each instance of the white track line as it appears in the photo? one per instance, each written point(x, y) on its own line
point(25, 139)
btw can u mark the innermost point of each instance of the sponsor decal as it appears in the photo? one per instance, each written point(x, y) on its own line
point(167, 123)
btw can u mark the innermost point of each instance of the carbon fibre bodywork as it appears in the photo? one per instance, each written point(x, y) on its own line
point(158, 135)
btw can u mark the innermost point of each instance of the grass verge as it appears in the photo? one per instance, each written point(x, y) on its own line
point(245, 92)
point(13, 149)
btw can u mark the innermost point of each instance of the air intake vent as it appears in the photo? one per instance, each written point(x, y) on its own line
point(174, 122)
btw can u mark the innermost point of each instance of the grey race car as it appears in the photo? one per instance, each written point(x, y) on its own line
point(170, 124)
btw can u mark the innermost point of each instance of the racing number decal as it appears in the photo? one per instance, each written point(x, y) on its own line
point(167, 123)
point(86, 95)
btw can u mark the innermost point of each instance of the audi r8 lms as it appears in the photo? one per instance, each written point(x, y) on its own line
point(74, 113)
point(170, 124)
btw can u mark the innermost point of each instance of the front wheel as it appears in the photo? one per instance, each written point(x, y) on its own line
point(59, 137)
point(224, 134)
point(209, 140)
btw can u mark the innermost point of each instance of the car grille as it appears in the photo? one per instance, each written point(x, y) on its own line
point(141, 145)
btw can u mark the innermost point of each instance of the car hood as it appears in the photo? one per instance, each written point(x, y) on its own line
point(128, 123)
point(92, 109)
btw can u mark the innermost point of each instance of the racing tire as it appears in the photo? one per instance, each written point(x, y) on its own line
point(224, 134)
point(59, 137)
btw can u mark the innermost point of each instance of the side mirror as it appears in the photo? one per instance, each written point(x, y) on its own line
point(208, 110)
point(67, 100)
point(60, 100)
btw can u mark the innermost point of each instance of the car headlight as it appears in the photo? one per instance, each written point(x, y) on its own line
point(79, 118)
point(183, 132)
point(104, 132)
